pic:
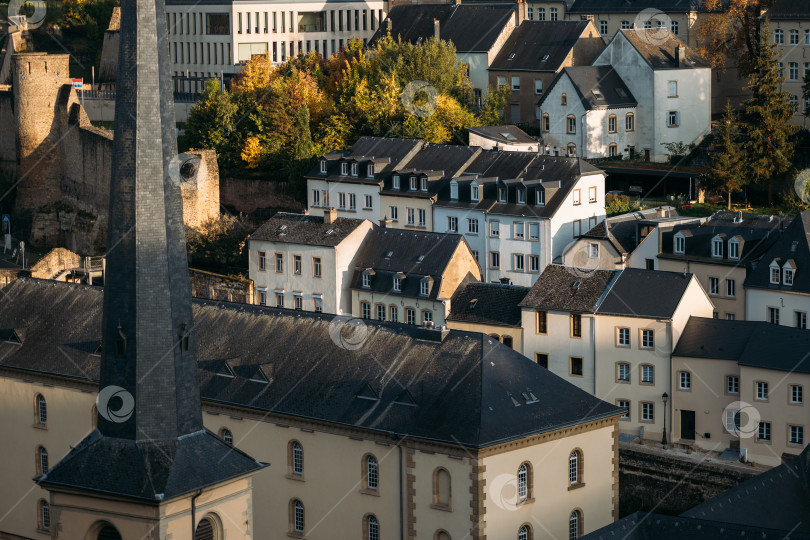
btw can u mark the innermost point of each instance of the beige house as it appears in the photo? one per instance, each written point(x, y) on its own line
point(719, 252)
point(740, 384)
point(790, 29)
point(612, 333)
point(306, 262)
point(489, 308)
point(405, 432)
point(410, 277)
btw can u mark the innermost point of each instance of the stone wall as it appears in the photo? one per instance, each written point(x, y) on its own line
point(652, 480)
point(8, 137)
point(199, 187)
point(218, 287)
point(55, 262)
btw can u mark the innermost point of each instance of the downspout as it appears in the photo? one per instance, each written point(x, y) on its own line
point(593, 346)
point(485, 264)
point(401, 501)
point(194, 514)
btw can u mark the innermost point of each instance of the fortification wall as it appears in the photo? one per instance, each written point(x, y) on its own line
point(8, 137)
point(218, 287)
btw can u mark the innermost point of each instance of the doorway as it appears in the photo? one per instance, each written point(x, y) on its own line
point(688, 425)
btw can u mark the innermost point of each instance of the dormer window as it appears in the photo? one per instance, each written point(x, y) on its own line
point(367, 273)
point(521, 196)
point(397, 283)
point(413, 183)
point(502, 194)
point(370, 170)
point(734, 249)
point(717, 247)
point(474, 192)
point(396, 181)
point(680, 244)
point(454, 190)
point(424, 286)
point(354, 169)
point(540, 197)
point(323, 166)
point(776, 273)
point(788, 271)
point(424, 184)
point(344, 169)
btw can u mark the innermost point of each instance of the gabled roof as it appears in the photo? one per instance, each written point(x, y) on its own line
point(471, 27)
point(504, 134)
point(789, 10)
point(645, 293)
point(598, 87)
point(449, 159)
point(658, 46)
point(622, 230)
point(387, 154)
point(567, 289)
point(540, 46)
point(488, 303)
point(304, 229)
point(467, 388)
point(794, 244)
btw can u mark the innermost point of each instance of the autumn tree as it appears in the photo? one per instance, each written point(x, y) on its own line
point(769, 148)
point(727, 172)
point(212, 121)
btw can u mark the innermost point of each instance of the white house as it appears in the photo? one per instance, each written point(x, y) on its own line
point(612, 334)
point(212, 39)
point(671, 84)
point(777, 289)
point(306, 262)
point(507, 138)
point(519, 210)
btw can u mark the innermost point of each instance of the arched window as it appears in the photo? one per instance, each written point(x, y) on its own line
point(371, 473)
point(572, 150)
point(546, 122)
point(441, 535)
point(41, 410)
point(371, 527)
point(296, 516)
point(42, 460)
point(206, 529)
point(226, 436)
point(571, 124)
point(507, 340)
point(44, 515)
point(295, 458)
point(575, 525)
point(524, 482)
point(563, 99)
point(629, 120)
point(108, 532)
point(575, 467)
point(612, 122)
point(525, 532)
point(441, 488)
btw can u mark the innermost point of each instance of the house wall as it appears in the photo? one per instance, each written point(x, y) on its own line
point(508, 246)
point(476, 241)
point(462, 266)
point(526, 96)
point(649, 248)
point(597, 137)
point(439, 309)
point(723, 304)
point(694, 102)
point(478, 63)
point(757, 302)
point(557, 137)
point(335, 188)
point(402, 204)
point(494, 331)
point(562, 228)
point(577, 255)
point(799, 54)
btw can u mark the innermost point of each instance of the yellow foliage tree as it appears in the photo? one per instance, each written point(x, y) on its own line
point(252, 152)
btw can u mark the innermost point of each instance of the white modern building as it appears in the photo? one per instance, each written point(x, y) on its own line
point(306, 262)
point(212, 39)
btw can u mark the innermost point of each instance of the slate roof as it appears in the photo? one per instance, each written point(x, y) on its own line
point(794, 244)
point(588, 80)
point(471, 27)
point(622, 230)
point(504, 134)
point(788, 10)
point(304, 229)
point(459, 398)
point(405, 247)
point(659, 52)
point(636, 6)
point(488, 303)
point(387, 154)
point(750, 343)
point(779, 497)
point(567, 289)
point(539, 46)
point(645, 293)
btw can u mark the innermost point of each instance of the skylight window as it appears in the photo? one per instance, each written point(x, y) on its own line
point(512, 56)
point(545, 57)
point(507, 136)
point(598, 94)
point(621, 92)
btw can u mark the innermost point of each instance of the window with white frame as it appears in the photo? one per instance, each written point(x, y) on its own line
point(717, 247)
point(761, 391)
point(779, 36)
point(592, 194)
point(685, 380)
point(366, 280)
point(452, 224)
point(396, 181)
point(279, 299)
point(732, 420)
point(553, 13)
point(796, 394)
point(796, 435)
point(516, 84)
point(323, 166)
point(317, 304)
point(534, 263)
point(397, 284)
point(776, 273)
point(624, 404)
point(413, 183)
point(344, 169)
point(502, 194)
point(576, 196)
point(764, 431)
point(354, 169)
point(793, 71)
point(380, 312)
point(787, 275)
point(534, 231)
point(593, 250)
point(623, 337)
point(714, 286)
point(421, 214)
point(625, 25)
point(538, 86)
point(368, 202)
point(353, 201)
point(523, 482)
point(807, 37)
point(794, 37)
point(453, 190)
point(297, 458)
point(316, 197)
point(519, 230)
point(623, 372)
point(541, 14)
point(472, 226)
point(680, 244)
point(731, 288)
point(773, 315)
point(494, 259)
point(733, 249)
point(410, 316)
point(521, 195)
point(801, 320)
point(647, 339)
point(411, 213)
point(494, 229)
point(673, 118)
point(394, 213)
point(732, 384)
point(647, 412)
point(424, 184)
point(647, 374)
point(603, 27)
point(475, 254)
point(518, 262)
point(370, 170)
point(365, 310)
point(394, 314)
point(424, 287)
point(674, 27)
point(540, 197)
point(474, 192)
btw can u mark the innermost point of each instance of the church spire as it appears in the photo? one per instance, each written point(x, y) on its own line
point(148, 347)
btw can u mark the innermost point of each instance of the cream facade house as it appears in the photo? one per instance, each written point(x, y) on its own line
point(410, 277)
point(612, 334)
point(790, 29)
point(306, 262)
point(348, 427)
point(740, 384)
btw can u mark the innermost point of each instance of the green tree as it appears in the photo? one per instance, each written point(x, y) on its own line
point(728, 171)
point(491, 113)
point(211, 122)
point(769, 148)
point(806, 93)
point(301, 153)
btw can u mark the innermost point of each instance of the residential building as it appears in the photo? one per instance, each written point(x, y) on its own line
point(507, 138)
point(213, 40)
point(612, 333)
point(306, 262)
point(518, 211)
point(790, 29)
point(670, 84)
point(741, 384)
point(532, 56)
point(477, 31)
point(612, 243)
point(489, 308)
point(409, 276)
point(588, 111)
point(719, 252)
point(340, 421)
point(777, 289)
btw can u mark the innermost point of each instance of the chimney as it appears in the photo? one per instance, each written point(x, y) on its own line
point(680, 56)
point(386, 223)
point(388, 24)
point(662, 212)
point(329, 216)
point(436, 32)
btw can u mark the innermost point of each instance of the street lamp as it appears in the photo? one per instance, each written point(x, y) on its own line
point(665, 398)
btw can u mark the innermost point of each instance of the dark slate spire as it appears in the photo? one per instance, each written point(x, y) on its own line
point(148, 344)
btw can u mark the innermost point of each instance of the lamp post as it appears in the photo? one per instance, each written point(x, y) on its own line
point(665, 398)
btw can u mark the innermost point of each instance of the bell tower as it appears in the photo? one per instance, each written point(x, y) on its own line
point(150, 470)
